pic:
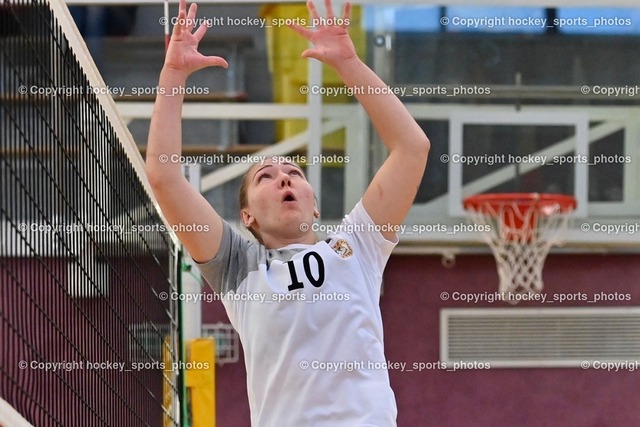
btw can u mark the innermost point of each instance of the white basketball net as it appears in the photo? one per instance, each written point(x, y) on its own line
point(520, 237)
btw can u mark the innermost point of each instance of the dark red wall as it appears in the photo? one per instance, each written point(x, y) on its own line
point(498, 397)
point(41, 322)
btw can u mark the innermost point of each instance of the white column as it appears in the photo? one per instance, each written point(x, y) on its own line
point(192, 309)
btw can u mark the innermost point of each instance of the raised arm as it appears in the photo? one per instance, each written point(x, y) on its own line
point(179, 201)
point(394, 187)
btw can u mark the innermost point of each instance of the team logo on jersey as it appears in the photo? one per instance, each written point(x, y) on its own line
point(342, 248)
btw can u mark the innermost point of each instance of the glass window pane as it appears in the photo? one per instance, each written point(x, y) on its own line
point(531, 20)
point(572, 20)
point(417, 18)
point(403, 18)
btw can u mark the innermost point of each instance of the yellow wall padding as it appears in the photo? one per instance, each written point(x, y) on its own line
point(167, 390)
point(200, 378)
point(289, 70)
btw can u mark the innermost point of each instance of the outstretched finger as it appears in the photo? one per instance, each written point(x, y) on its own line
point(216, 61)
point(191, 17)
point(329, 8)
point(346, 14)
point(202, 29)
point(312, 53)
point(182, 7)
point(315, 17)
point(304, 32)
point(177, 28)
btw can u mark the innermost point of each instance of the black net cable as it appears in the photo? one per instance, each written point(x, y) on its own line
point(31, 148)
point(86, 187)
point(72, 294)
point(101, 123)
point(53, 325)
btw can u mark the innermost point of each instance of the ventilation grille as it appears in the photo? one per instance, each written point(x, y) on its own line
point(227, 341)
point(146, 341)
point(545, 337)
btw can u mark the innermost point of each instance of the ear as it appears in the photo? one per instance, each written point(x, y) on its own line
point(247, 218)
point(316, 212)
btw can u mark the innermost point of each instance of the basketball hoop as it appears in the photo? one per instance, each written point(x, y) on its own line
point(521, 228)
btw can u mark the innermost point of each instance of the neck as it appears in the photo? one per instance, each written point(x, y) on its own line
point(277, 242)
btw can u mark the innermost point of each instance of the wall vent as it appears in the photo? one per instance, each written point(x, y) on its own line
point(540, 337)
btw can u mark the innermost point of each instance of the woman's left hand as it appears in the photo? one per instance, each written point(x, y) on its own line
point(332, 44)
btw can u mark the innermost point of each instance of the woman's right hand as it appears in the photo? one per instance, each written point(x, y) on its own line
point(182, 54)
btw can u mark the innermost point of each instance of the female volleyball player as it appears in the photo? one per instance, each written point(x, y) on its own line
point(307, 311)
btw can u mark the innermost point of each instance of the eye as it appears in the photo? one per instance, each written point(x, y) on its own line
point(263, 175)
point(295, 172)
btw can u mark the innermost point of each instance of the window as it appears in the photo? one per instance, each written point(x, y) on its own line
point(531, 20)
point(598, 21)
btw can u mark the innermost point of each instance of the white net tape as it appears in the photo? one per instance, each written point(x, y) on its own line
point(521, 235)
point(9, 417)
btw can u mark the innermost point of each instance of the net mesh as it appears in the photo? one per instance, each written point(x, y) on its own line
point(84, 260)
point(521, 231)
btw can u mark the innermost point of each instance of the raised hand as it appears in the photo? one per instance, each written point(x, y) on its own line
point(182, 54)
point(332, 44)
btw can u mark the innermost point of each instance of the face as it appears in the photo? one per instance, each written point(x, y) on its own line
point(279, 199)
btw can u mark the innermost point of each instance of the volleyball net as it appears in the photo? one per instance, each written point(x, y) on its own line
point(88, 331)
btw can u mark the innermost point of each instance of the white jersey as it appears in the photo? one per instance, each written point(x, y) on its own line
point(309, 320)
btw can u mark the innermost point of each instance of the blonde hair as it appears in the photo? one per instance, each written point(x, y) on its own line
point(244, 200)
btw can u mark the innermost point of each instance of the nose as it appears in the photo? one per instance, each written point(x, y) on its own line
point(285, 180)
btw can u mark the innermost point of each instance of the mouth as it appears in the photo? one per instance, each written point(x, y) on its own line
point(288, 197)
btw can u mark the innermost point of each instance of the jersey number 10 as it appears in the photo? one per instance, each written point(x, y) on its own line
point(317, 282)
